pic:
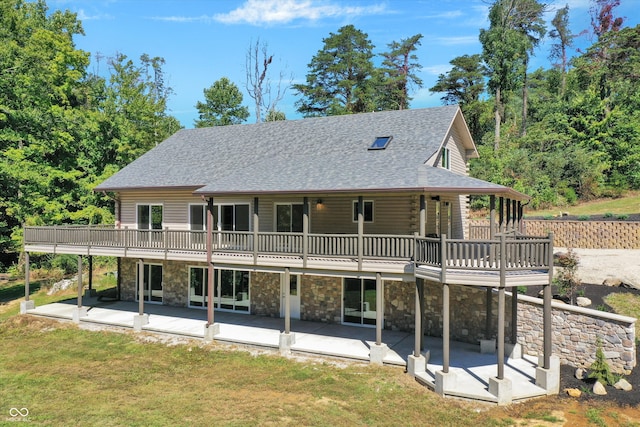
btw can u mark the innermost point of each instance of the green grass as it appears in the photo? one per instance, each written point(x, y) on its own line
point(68, 376)
point(630, 204)
point(626, 304)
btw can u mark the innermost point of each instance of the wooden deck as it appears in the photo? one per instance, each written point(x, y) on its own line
point(504, 261)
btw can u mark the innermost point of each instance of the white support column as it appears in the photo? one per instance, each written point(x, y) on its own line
point(360, 231)
point(379, 350)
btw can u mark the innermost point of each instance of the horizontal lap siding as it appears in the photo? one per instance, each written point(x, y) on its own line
point(175, 207)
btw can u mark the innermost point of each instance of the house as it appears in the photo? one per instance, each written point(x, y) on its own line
point(333, 219)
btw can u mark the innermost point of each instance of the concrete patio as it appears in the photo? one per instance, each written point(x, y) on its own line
point(472, 370)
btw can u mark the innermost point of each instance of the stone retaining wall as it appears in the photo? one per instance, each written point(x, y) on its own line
point(583, 234)
point(576, 331)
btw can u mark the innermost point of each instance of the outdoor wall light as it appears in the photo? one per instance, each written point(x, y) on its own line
point(319, 204)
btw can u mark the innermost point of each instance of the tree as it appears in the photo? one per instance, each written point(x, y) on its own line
point(514, 31)
point(222, 105)
point(463, 85)
point(258, 83)
point(562, 34)
point(603, 19)
point(339, 80)
point(399, 73)
point(274, 116)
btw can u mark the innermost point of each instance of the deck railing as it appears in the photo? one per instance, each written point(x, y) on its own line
point(512, 252)
point(509, 252)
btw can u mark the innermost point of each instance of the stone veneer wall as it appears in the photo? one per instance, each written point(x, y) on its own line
point(128, 279)
point(321, 299)
point(399, 305)
point(264, 293)
point(575, 333)
point(583, 234)
point(468, 313)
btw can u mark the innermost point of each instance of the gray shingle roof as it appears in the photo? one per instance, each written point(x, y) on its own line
point(309, 155)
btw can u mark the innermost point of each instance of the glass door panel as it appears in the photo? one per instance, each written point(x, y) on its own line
point(352, 296)
point(198, 291)
point(369, 302)
point(155, 282)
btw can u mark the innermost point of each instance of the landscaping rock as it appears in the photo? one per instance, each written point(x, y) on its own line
point(599, 389)
point(623, 384)
point(581, 373)
point(612, 281)
point(583, 302)
point(573, 392)
point(62, 285)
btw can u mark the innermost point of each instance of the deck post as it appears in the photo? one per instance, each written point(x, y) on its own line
point(423, 216)
point(90, 291)
point(423, 320)
point(379, 350)
point(445, 380)
point(287, 339)
point(416, 363)
point(141, 318)
point(360, 231)
point(445, 327)
point(514, 316)
point(27, 304)
point(548, 375)
point(211, 328)
point(80, 311)
point(492, 217)
point(500, 334)
point(489, 309)
point(287, 300)
point(305, 231)
point(509, 218)
point(501, 215)
point(256, 230)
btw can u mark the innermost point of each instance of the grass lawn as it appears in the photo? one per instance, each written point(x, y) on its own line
point(65, 375)
point(626, 304)
point(629, 204)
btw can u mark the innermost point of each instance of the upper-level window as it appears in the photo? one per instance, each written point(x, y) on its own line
point(225, 217)
point(380, 143)
point(367, 210)
point(445, 158)
point(149, 217)
point(289, 217)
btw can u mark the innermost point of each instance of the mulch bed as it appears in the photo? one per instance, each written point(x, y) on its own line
point(597, 293)
point(626, 217)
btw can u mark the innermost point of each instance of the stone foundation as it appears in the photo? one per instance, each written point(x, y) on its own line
point(264, 293)
point(399, 305)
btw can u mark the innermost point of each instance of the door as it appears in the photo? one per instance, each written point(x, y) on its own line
point(294, 295)
point(150, 220)
point(152, 283)
point(359, 301)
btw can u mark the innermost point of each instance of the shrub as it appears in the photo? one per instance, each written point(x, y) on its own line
point(608, 215)
point(623, 217)
point(547, 217)
point(600, 370)
point(566, 279)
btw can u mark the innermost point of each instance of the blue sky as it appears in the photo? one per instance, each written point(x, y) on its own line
point(204, 40)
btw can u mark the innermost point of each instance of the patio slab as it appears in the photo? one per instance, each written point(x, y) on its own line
point(473, 369)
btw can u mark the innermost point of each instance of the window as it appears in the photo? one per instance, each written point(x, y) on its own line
point(149, 217)
point(198, 217)
point(368, 210)
point(380, 143)
point(445, 158)
point(289, 218)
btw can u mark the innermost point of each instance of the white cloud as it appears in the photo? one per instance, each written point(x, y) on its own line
point(438, 69)
point(82, 16)
point(266, 12)
point(457, 40)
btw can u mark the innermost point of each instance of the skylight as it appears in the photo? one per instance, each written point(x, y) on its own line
point(380, 143)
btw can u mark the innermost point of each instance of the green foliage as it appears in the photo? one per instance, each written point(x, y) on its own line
point(339, 80)
point(222, 106)
point(599, 369)
point(62, 129)
point(584, 218)
point(622, 217)
point(566, 279)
